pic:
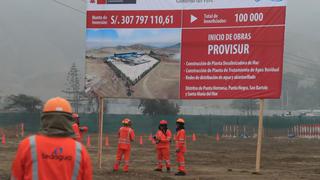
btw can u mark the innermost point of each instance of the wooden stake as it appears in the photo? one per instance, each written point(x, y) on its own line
point(100, 138)
point(260, 132)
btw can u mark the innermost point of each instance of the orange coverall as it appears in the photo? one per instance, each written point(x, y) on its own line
point(79, 131)
point(126, 135)
point(163, 147)
point(181, 149)
point(41, 157)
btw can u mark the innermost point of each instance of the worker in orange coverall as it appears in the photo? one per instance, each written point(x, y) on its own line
point(126, 136)
point(52, 153)
point(163, 140)
point(180, 147)
point(78, 130)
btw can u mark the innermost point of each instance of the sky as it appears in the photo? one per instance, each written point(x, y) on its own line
point(96, 38)
point(40, 39)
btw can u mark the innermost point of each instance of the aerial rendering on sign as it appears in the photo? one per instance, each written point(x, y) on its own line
point(133, 66)
point(136, 63)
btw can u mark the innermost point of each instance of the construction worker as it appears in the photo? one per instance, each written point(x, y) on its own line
point(126, 136)
point(52, 153)
point(78, 130)
point(180, 146)
point(163, 140)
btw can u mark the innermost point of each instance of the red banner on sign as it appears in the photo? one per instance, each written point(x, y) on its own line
point(231, 63)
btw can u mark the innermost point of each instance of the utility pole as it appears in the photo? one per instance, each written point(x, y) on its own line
point(73, 87)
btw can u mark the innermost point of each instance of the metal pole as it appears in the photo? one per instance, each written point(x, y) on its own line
point(260, 131)
point(100, 119)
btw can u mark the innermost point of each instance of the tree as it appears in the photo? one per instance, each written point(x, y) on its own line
point(23, 102)
point(246, 106)
point(158, 107)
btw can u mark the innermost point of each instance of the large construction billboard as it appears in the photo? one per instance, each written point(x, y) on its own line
point(185, 49)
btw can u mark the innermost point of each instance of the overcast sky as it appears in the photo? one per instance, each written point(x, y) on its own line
point(40, 39)
point(115, 37)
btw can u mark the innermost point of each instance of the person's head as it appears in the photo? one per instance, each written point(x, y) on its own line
point(56, 118)
point(126, 122)
point(76, 118)
point(179, 124)
point(129, 123)
point(163, 125)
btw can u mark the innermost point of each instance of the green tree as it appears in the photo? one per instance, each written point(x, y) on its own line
point(23, 102)
point(246, 106)
point(154, 107)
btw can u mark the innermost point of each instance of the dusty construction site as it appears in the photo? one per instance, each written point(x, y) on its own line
point(229, 159)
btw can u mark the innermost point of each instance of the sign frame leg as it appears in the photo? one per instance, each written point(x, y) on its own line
point(100, 131)
point(259, 138)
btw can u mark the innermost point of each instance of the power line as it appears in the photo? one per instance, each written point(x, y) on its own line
point(298, 60)
point(301, 61)
point(309, 69)
point(68, 6)
point(301, 57)
point(73, 87)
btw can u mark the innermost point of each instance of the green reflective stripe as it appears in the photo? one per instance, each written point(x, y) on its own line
point(34, 157)
point(77, 161)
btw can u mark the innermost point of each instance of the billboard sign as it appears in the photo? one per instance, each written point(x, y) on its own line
point(185, 49)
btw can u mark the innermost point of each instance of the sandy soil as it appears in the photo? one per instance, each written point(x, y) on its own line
point(162, 82)
point(106, 82)
point(232, 159)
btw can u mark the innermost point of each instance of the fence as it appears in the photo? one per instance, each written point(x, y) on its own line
point(147, 124)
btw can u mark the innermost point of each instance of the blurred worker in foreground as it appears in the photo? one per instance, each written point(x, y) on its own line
point(78, 130)
point(126, 136)
point(163, 140)
point(52, 153)
point(180, 146)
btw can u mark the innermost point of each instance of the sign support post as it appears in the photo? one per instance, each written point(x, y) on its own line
point(260, 132)
point(100, 133)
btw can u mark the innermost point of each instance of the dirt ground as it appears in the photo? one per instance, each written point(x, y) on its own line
point(206, 159)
